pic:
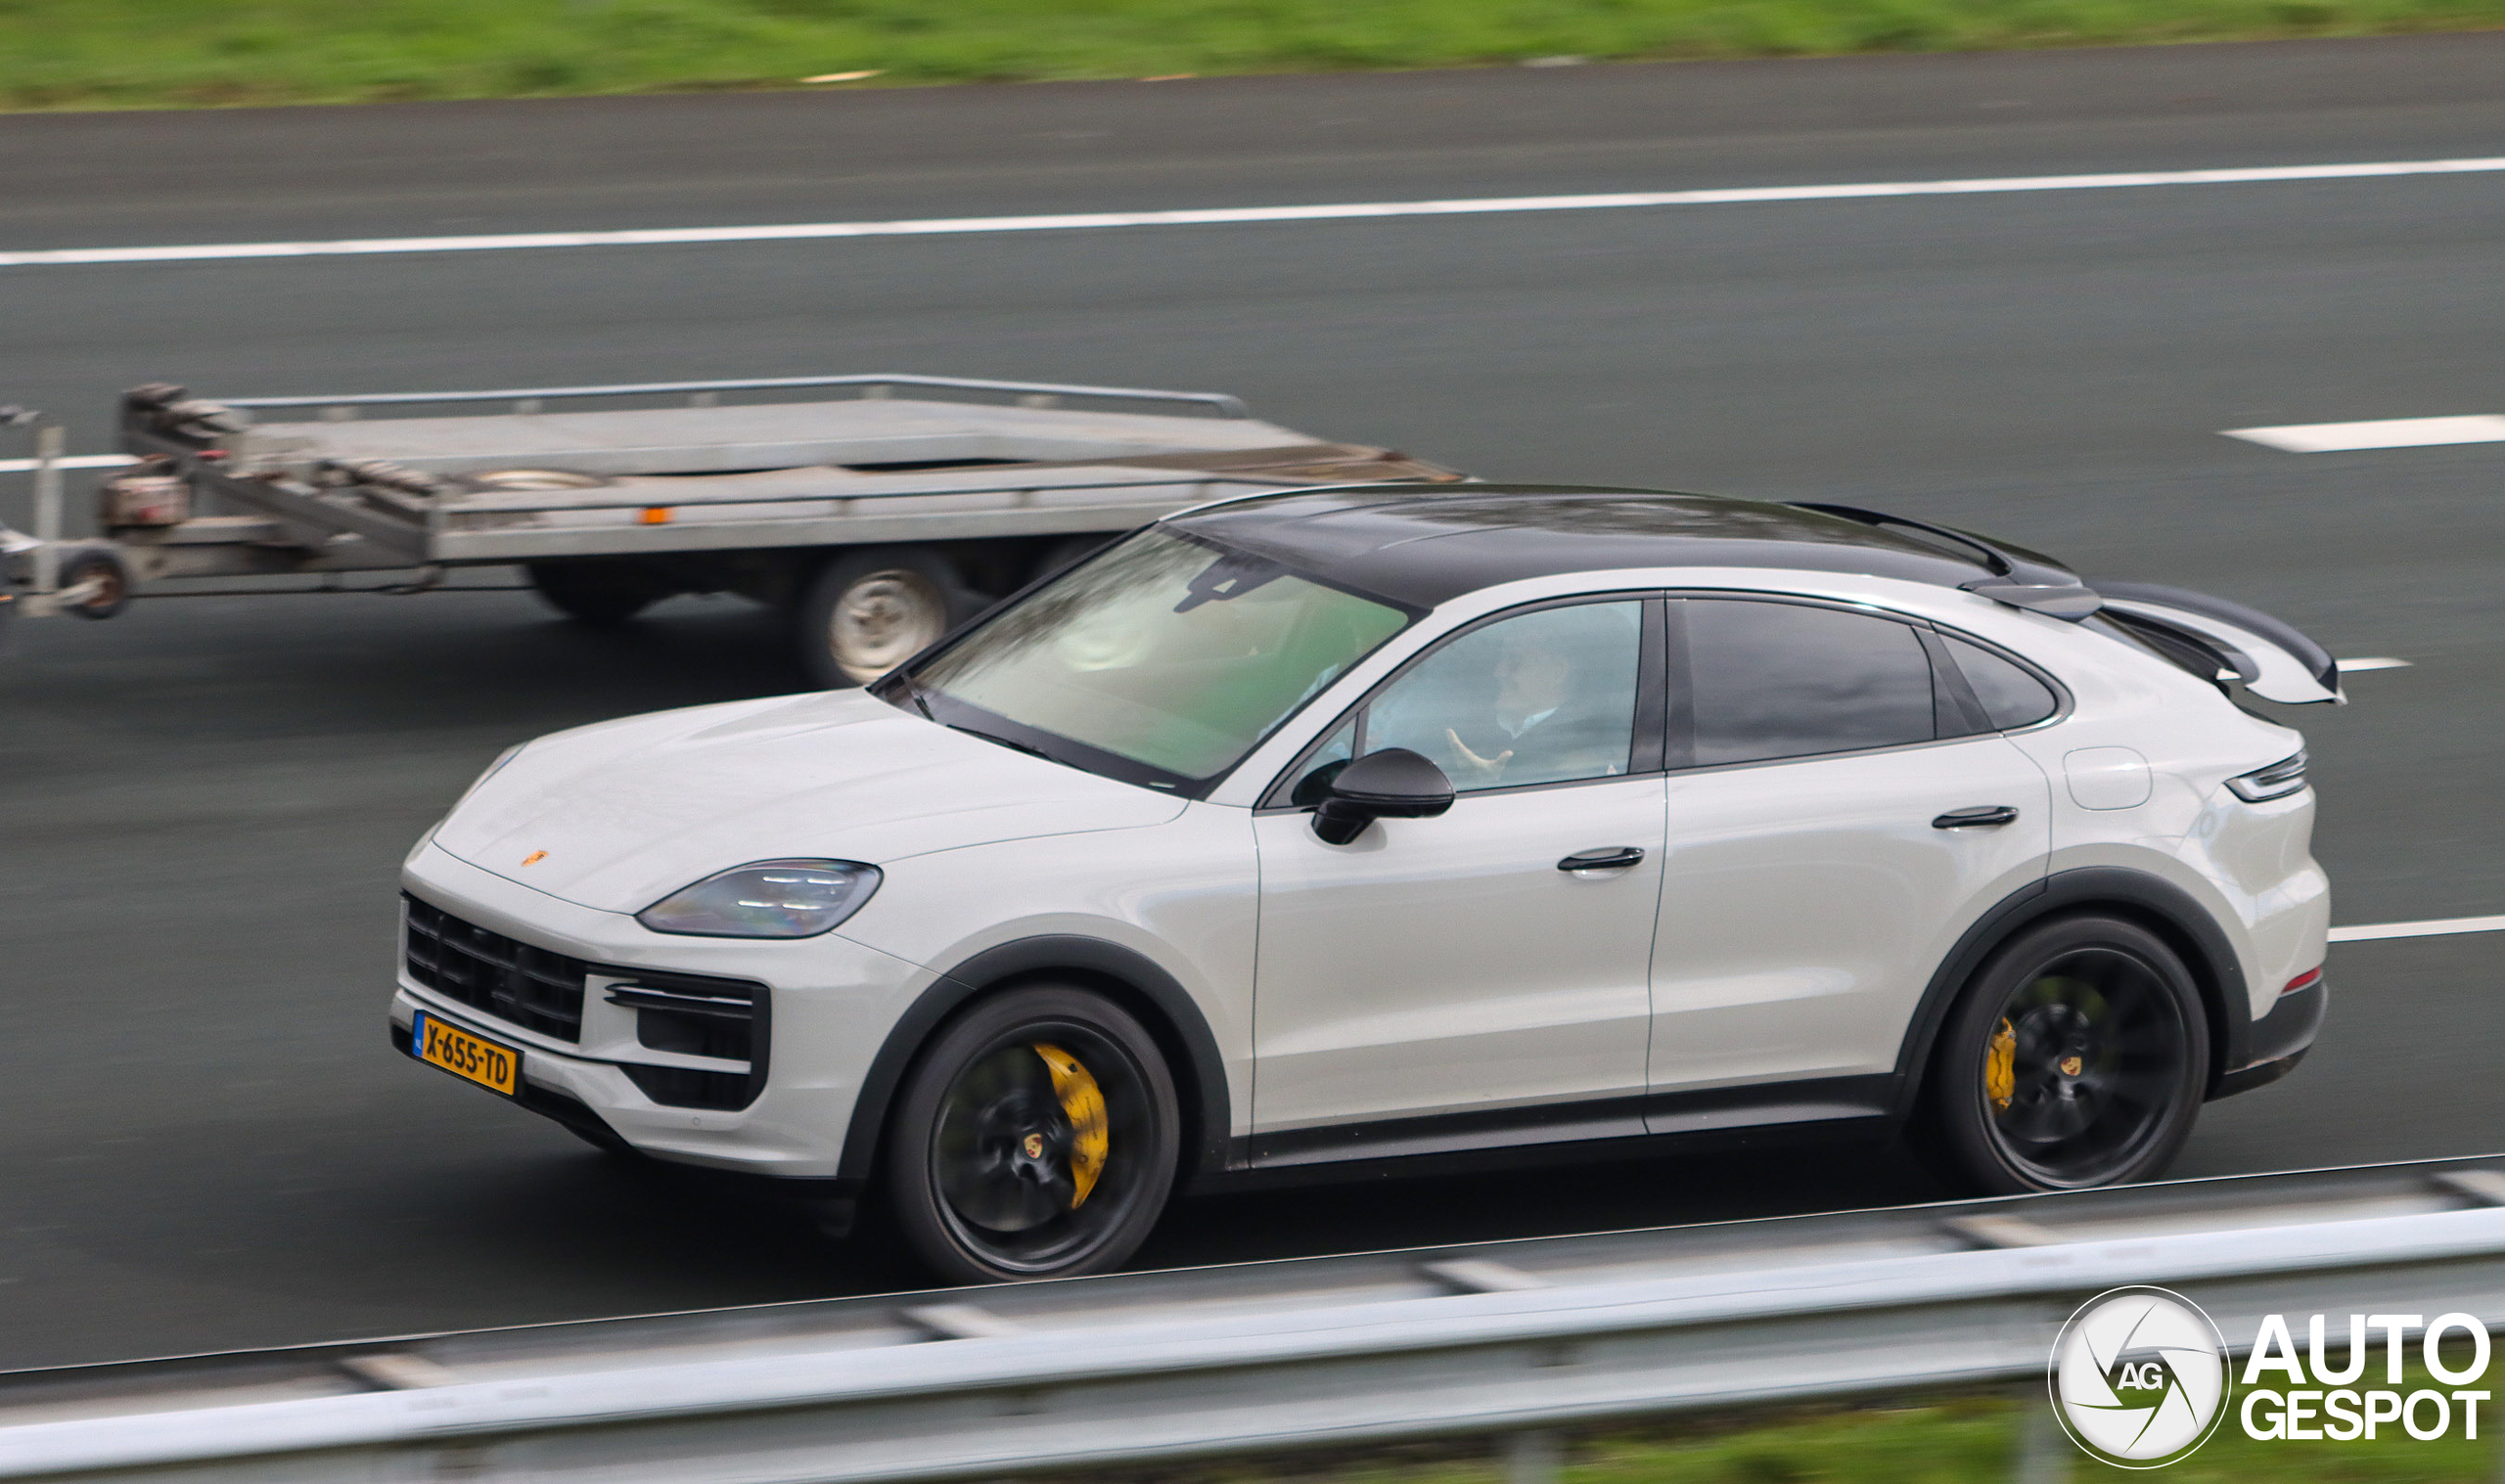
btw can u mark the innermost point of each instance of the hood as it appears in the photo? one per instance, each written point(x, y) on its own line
point(618, 816)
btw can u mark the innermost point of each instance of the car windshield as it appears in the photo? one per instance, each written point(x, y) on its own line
point(1162, 651)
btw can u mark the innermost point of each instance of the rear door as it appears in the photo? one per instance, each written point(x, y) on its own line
point(1840, 819)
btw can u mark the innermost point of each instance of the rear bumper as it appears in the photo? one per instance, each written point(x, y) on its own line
point(2279, 1040)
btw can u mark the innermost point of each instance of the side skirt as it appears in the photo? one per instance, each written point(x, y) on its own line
point(1602, 1129)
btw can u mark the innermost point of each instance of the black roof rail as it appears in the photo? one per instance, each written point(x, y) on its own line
point(2020, 582)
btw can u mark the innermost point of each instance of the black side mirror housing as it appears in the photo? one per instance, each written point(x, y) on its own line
point(1393, 784)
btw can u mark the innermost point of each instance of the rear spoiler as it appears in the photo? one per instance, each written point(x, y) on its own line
point(2211, 637)
point(2272, 659)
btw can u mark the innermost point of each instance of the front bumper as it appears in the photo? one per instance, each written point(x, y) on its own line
point(832, 1002)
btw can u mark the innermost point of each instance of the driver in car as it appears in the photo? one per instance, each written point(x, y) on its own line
point(1549, 718)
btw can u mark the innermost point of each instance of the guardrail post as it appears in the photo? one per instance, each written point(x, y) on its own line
point(2045, 1452)
point(1534, 1458)
point(49, 441)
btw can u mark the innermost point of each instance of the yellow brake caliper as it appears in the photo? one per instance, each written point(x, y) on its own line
point(1085, 1101)
point(2000, 1067)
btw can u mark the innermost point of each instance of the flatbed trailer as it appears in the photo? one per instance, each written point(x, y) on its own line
point(876, 511)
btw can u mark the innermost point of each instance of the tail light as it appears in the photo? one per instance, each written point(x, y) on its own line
point(2281, 779)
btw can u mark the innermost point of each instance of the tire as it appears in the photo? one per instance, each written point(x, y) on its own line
point(600, 592)
point(106, 569)
point(2103, 1052)
point(867, 612)
point(988, 1146)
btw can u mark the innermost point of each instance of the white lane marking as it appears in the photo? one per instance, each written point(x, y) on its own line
point(2435, 928)
point(2388, 432)
point(2376, 662)
point(79, 461)
point(1227, 215)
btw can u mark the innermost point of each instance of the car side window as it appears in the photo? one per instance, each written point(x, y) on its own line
point(1773, 680)
point(1543, 697)
point(2011, 697)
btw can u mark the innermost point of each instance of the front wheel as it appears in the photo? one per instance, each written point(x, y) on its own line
point(1036, 1137)
point(2075, 1057)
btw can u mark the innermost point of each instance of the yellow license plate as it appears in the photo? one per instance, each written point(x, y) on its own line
point(464, 1055)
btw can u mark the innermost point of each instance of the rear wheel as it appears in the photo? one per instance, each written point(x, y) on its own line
point(1036, 1137)
point(2076, 1058)
point(865, 612)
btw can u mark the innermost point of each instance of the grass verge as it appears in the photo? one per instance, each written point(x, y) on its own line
point(72, 54)
point(1956, 1439)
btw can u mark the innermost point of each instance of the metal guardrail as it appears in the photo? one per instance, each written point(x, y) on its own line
point(1147, 1367)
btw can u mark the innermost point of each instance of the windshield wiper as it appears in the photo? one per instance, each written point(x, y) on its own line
point(1010, 743)
point(912, 689)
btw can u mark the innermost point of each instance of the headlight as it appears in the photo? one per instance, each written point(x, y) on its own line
point(769, 899)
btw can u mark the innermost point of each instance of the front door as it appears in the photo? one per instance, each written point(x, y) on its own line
point(1465, 962)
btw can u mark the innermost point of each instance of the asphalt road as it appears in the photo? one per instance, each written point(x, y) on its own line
point(204, 1142)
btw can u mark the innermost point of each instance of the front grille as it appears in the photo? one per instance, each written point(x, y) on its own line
point(510, 980)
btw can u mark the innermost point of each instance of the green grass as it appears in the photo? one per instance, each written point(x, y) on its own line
point(1963, 1439)
point(61, 54)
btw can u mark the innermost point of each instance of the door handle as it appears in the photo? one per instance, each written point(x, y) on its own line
point(1606, 858)
point(1980, 816)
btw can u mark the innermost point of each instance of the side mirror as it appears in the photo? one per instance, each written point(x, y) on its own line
point(1393, 784)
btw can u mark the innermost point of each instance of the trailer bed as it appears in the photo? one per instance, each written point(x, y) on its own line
point(875, 509)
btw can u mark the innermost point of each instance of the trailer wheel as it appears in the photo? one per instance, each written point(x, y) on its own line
point(110, 576)
point(867, 612)
point(598, 592)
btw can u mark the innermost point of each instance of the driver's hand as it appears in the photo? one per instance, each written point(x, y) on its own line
point(1482, 770)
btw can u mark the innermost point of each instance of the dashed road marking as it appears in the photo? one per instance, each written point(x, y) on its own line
point(1232, 215)
point(2375, 662)
point(79, 461)
point(2433, 928)
point(2387, 433)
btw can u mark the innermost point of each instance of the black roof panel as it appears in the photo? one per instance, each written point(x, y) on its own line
point(1424, 544)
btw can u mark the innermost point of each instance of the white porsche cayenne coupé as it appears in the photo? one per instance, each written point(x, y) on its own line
point(1388, 827)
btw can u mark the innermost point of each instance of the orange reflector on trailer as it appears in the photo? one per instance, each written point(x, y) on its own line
point(657, 514)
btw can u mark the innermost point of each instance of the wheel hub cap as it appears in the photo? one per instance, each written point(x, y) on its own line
point(1032, 1139)
point(883, 620)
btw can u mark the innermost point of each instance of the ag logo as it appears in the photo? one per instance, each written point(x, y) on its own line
point(2139, 1378)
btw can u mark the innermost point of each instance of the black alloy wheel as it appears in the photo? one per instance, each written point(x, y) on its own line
point(1036, 1137)
point(2076, 1058)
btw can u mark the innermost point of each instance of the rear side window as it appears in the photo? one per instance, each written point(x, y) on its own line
point(1770, 680)
point(2011, 697)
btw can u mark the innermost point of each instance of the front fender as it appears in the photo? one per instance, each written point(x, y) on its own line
point(1162, 1003)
